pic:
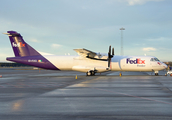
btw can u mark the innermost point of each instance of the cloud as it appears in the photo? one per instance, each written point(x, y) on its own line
point(159, 39)
point(141, 2)
point(5, 52)
point(149, 49)
point(3, 57)
point(43, 53)
point(34, 40)
point(56, 46)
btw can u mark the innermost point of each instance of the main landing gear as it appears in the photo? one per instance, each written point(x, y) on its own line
point(90, 73)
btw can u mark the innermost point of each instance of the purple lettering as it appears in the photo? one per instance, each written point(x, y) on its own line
point(128, 60)
point(136, 61)
point(131, 62)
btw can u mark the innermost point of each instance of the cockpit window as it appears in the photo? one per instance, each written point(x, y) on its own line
point(154, 59)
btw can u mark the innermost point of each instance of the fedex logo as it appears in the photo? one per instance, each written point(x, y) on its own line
point(20, 44)
point(137, 61)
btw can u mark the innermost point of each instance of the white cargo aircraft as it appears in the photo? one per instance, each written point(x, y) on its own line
point(87, 61)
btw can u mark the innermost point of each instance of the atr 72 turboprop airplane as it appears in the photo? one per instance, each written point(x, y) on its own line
point(87, 61)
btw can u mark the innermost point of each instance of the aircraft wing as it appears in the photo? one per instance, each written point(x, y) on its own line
point(85, 53)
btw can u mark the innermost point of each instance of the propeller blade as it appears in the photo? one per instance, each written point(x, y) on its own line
point(112, 51)
point(110, 56)
point(109, 60)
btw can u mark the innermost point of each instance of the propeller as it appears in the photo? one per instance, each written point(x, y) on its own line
point(110, 56)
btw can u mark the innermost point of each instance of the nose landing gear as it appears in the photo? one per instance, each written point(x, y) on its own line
point(156, 73)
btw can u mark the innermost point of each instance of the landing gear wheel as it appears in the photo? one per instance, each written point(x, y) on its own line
point(88, 73)
point(91, 73)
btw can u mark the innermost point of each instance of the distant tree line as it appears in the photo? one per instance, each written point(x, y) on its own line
point(5, 64)
point(168, 63)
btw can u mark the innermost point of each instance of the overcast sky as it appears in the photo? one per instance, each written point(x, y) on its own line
point(59, 26)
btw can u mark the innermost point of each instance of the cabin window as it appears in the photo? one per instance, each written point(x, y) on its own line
point(152, 59)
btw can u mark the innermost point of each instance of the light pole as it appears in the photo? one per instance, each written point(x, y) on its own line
point(122, 53)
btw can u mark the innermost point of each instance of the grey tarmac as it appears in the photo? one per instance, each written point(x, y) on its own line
point(28, 94)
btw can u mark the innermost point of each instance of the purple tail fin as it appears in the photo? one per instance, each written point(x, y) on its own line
point(20, 47)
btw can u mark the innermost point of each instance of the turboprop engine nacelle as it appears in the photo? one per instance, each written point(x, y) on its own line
point(101, 56)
